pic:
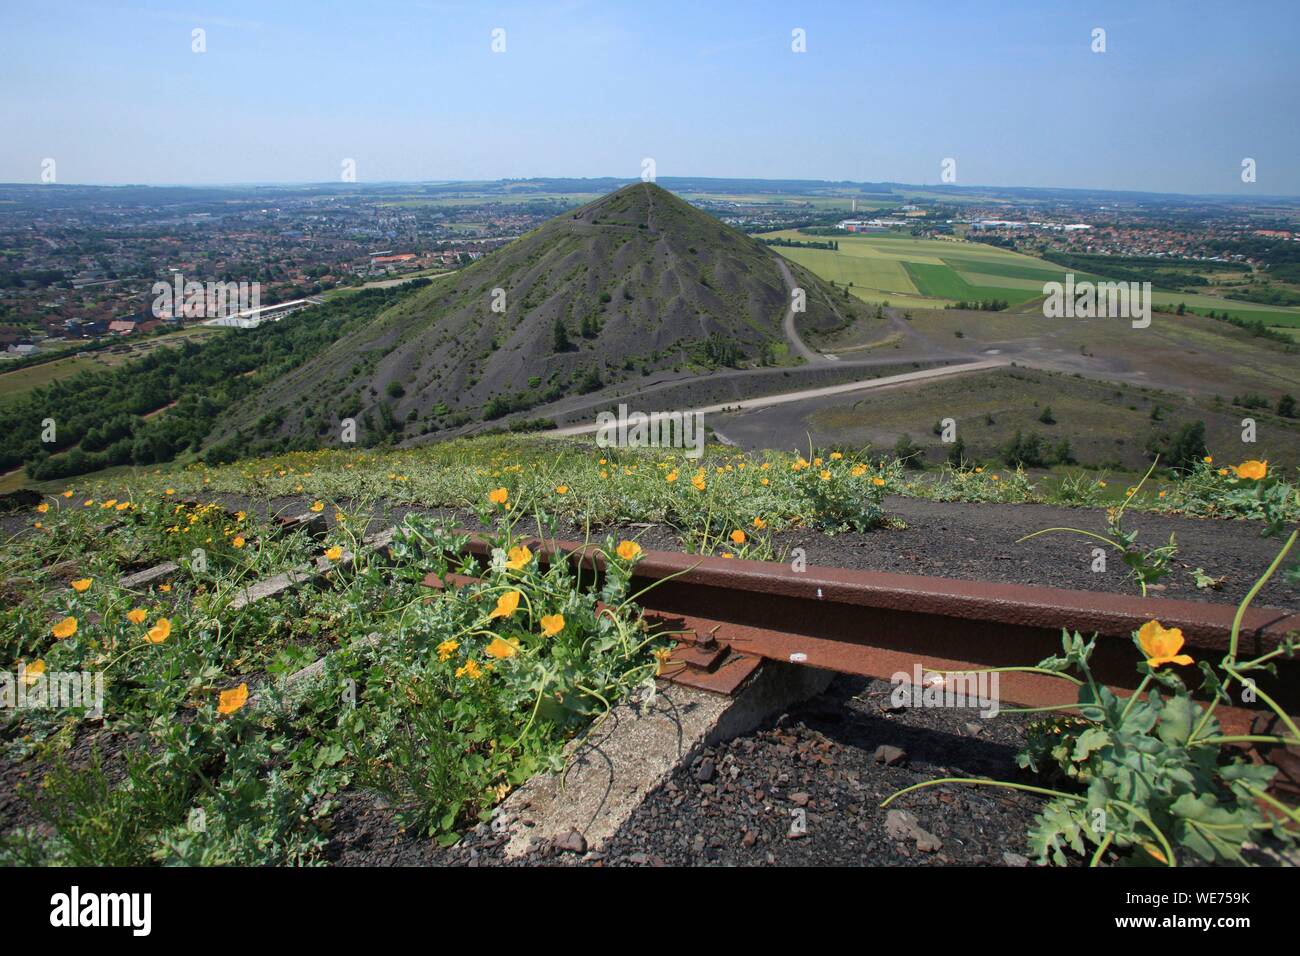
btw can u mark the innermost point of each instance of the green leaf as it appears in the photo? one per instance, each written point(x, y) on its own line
point(1177, 718)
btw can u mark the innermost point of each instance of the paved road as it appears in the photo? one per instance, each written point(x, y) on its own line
point(791, 333)
point(810, 393)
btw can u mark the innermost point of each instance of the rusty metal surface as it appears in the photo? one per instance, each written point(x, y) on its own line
point(877, 624)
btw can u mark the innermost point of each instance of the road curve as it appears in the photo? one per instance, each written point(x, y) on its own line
point(791, 333)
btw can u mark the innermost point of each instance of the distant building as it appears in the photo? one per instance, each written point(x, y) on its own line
point(121, 327)
point(252, 318)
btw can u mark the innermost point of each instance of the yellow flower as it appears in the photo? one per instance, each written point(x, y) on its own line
point(1162, 644)
point(498, 496)
point(32, 672)
point(763, 481)
point(470, 670)
point(123, 506)
point(501, 648)
point(67, 494)
point(995, 477)
point(671, 476)
point(88, 502)
point(81, 585)
point(727, 554)
point(661, 654)
point(334, 553)
point(760, 524)
point(318, 506)
point(507, 604)
point(136, 616)
point(233, 699)
point(738, 537)
point(825, 476)
point(857, 471)
point(979, 471)
point(1253, 470)
point(519, 556)
point(561, 489)
point(1208, 459)
point(65, 628)
point(552, 624)
point(878, 481)
point(628, 550)
point(160, 631)
point(109, 503)
point(699, 483)
point(836, 456)
point(446, 649)
point(164, 588)
point(238, 541)
point(170, 491)
point(42, 507)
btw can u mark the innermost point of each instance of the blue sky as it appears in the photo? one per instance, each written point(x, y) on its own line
point(886, 90)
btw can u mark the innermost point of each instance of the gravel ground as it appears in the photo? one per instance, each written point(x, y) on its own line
point(803, 790)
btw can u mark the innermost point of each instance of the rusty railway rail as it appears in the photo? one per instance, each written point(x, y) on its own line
point(733, 614)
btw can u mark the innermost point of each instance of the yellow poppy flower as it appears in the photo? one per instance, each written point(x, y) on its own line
point(738, 537)
point(519, 556)
point(136, 616)
point(552, 624)
point(1162, 644)
point(159, 632)
point(507, 604)
point(878, 481)
point(334, 553)
point(81, 585)
point(628, 550)
point(1253, 470)
point(498, 496)
point(233, 699)
point(32, 672)
point(65, 628)
point(501, 648)
point(561, 489)
point(237, 541)
point(760, 524)
point(318, 506)
point(447, 648)
point(42, 507)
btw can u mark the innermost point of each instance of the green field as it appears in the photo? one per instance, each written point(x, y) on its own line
point(17, 382)
point(924, 272)
point(932, 273)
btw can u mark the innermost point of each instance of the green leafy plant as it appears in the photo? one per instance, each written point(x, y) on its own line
point(1151, 776)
